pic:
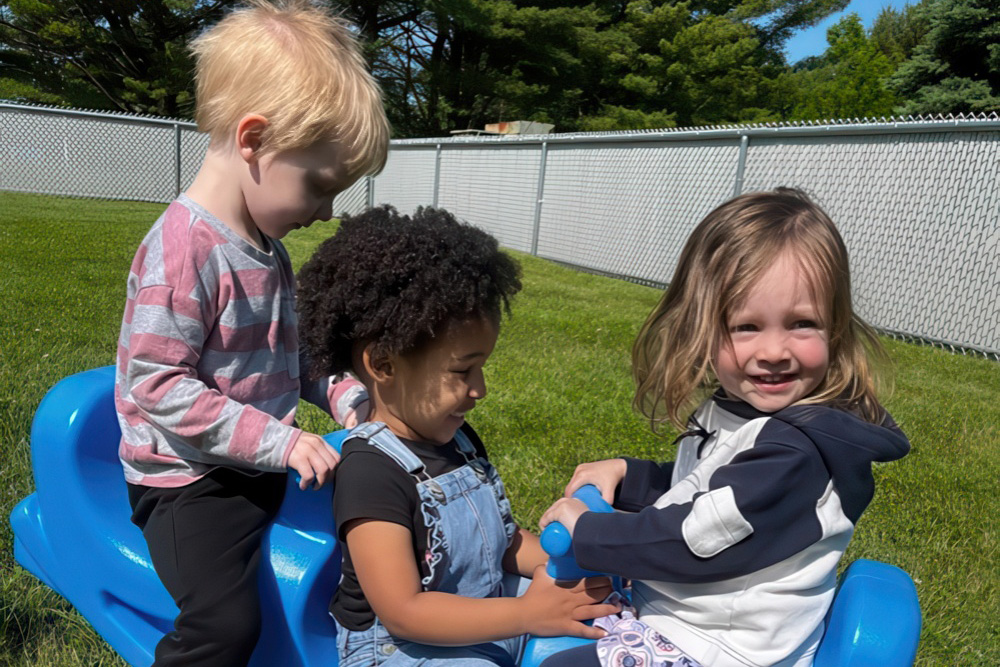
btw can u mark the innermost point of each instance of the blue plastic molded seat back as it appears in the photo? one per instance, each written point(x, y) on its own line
point(875, 618)
point(74, 534)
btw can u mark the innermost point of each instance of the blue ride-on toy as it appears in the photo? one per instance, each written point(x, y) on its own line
point(74, 534)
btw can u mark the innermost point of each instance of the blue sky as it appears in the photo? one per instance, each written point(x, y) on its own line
point(812, 42)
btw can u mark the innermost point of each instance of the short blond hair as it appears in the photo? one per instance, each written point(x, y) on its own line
point(725, 256)
point(302, 69)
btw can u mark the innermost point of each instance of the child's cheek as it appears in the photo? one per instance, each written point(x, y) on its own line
point(815, 354)
point(734, 356)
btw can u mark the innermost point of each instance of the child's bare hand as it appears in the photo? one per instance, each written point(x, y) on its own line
point(313, 459)
point(560, 608)
point(566, 511)
point(605, 475)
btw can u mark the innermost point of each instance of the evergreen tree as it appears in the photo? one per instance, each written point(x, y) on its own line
point(955, 68)
point(896, 33)
point(126, 55)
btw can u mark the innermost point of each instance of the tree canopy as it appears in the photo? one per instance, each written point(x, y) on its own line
point(955, 67)
point(127, 55)
point(600, 65)
point(848, 81)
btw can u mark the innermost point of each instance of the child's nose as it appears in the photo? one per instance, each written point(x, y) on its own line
point(477, 386)
point(773, 348)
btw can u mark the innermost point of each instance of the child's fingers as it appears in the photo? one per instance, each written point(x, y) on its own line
point(588, 612)
point(312, 473)
point(330, 456)
point(608, 494)
point(314, 459)
point(566, 511)
point(580, 629)
point(323, 464)
point(605, 475)
point(552, 513)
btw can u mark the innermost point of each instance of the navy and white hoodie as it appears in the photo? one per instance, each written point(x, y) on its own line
point(733, 548)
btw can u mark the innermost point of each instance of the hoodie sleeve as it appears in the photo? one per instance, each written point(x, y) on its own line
point(644, 482)
point(759, 509)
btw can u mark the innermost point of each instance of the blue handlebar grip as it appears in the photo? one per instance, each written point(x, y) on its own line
point(592, 498)
point(556, 541)
point(558, 544)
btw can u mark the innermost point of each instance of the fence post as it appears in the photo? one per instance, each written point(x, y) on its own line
point(177, 160)
point(741, 165)
point(437, 174)
point(539, 198)
point(370, 191)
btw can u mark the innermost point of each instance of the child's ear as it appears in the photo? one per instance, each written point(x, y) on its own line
point(249, 134)
point(377, 364)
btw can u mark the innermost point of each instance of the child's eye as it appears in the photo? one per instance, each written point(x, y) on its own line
point(461, 371)
point(743, 327)
point(805, 324)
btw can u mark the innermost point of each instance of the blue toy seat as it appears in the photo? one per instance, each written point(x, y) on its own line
point(74, 534)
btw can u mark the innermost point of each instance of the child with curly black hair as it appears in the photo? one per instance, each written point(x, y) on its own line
point(431, 553)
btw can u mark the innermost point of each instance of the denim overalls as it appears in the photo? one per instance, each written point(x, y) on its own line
point(469, 526)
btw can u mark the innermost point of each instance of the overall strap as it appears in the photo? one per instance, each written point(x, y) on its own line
point(379, 436)
point(465, 445)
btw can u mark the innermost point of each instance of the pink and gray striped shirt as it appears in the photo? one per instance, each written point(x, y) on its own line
point(209, 367)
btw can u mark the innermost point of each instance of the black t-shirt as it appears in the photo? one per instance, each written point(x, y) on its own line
point(370, 485)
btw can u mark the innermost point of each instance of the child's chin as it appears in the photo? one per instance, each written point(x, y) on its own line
point(448, 431)
point(770, 403)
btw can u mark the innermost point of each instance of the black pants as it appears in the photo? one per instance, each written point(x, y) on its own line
point(204, 540)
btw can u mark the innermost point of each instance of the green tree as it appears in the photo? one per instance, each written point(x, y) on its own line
point(609, 64)
point(127, 55)
point(956, 66)
point(661, 63)
point(848, 80)
point(896, 33)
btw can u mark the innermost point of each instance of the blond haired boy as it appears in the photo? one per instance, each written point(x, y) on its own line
point(209, 369)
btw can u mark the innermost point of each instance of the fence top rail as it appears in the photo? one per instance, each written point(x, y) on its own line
point(102, 115)
point(829, 128)
point(844, 127)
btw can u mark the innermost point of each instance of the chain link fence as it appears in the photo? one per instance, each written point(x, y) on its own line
point(917, 200)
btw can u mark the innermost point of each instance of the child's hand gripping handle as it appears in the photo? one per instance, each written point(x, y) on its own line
point(335, 440)
point(558, 544)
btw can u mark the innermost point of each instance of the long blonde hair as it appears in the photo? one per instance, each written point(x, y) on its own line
point(726, 254)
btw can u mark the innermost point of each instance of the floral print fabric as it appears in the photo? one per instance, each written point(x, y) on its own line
point(632, 643)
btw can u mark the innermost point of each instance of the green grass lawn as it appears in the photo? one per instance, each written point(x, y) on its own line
point(559, 394)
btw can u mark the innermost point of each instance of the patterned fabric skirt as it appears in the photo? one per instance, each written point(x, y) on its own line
point(632, 643)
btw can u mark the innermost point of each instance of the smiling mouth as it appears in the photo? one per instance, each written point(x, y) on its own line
point(775, 381)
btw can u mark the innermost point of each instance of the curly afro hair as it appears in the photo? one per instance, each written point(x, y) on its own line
point(396, 281)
